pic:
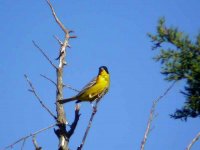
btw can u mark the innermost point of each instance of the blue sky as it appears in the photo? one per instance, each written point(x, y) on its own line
point(111, 33)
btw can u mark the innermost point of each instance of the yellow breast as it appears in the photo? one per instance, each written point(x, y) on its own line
point(102, 85)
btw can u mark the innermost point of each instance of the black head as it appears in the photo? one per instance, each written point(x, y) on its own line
point(103, 68)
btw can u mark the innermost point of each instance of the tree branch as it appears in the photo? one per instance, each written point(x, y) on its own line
point(23, 143)
point(91, 119)
point(59, 41)
point(70, 87)
point(38, 98)
point(56, 18)
point(89, 126)
point(48, 79)
point(61, 117)
point(61, 132)
point(76, 119)
point(193, 141)
point(64, 44)
point(35, 143)
point(30, 135)
point(45, 55)
point(152, 115)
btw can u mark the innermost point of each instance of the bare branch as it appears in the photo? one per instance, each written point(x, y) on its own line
point(44, 54)
point(76, 119)
point(89, 126)
point(65, 44)
point(91, 119)
point(30, 135)
point(48, 79)
point(70, 87)
point(61, 117)
point(35, 143)
point(73, 36)
point(63, 52)
point(23, 143)
point(59, 41)
point(152, 115)
point(69, 45)
point(38, 98)
point(56, 18)
point(193, 141)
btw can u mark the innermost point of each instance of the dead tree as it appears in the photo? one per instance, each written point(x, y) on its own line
point(60, 118)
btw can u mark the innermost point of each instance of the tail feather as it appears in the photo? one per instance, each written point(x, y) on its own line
point(67, 100)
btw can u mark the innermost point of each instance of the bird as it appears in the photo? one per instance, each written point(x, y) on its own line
point(94, 90)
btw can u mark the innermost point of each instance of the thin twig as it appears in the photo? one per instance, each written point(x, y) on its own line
point(38, 98)
point(76, 119)
point(89, 126)
point(56, 18)
point(59, 41)
point(193, 141)
point(30, 135)
point(44, 54)
point(91, 119)
point(152, 115)
point(23, 143)
point(48, 79)
point(70, 87)
point(35, 143)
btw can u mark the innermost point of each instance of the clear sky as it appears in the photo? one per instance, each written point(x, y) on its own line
point(111, 33)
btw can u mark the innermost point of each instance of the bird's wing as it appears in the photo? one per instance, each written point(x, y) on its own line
point(90, 84)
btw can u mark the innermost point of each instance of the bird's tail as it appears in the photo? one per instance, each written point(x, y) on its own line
point(67, 100)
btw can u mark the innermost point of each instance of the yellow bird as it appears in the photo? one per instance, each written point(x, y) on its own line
point(94, 90)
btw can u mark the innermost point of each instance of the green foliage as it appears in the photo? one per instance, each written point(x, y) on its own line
point(180, 59)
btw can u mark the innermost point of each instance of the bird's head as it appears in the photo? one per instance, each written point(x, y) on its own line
point(103, 69)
